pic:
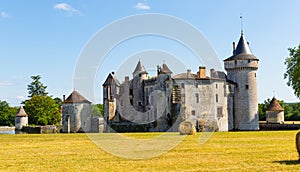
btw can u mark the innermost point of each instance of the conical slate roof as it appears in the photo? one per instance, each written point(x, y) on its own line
point(75, 97)
point(21, 112)
point(242, 51)
point(139, 69)
point(165, 69)
point(274, 105)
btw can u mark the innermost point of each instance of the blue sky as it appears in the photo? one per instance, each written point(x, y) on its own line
point(47, 37)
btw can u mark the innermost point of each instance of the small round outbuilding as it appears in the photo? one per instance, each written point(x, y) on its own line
point(275, 112)
point(21, 119)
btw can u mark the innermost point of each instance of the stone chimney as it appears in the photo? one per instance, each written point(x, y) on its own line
point(189, 73)
point(202, 72)
point(64, 98)
point(126, 78)
point(213, 73)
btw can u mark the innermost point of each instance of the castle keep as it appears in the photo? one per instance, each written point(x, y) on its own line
point(219, 101)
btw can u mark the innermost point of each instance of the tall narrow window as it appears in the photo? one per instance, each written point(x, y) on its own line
point(182, 85)
point(196, 85)
point(216, 85)
point(197, 97)
point(219, 112)
point(247, 87)
point(193, 112)
point(217, 98)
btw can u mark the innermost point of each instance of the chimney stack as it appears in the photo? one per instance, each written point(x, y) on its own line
point(188, 73)
point(64, 98)
point(126, 78)
point(213, 73)
point(202, 72)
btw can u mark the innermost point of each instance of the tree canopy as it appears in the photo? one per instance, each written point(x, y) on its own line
point(36, 88)
point(293, 69)
point(42, 110)
point(97, 110)
point(7, 114)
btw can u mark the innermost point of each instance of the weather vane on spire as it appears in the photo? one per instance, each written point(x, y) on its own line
point(241, 17)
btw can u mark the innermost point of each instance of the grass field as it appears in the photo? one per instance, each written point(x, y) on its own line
point(224, 151)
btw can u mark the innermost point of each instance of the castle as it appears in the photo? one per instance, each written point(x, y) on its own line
point(223, 102)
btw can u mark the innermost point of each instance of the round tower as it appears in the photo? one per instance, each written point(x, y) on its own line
point(21, 119)
point(274, 112)
point(139, 75)
point(241, 68)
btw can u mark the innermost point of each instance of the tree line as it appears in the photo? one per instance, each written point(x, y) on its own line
point(41, 108)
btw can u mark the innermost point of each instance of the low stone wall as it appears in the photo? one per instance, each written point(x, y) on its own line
point(268, 127)
point(40, 129)
point(128, 127)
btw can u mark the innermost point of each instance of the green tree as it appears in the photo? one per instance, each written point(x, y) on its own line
point(58, 101)
point(42, 110)
point(36, 88)
point(97, 110)
point(293, 69)
point(7, 114)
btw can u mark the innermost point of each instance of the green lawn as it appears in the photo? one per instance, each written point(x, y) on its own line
point(224, 151)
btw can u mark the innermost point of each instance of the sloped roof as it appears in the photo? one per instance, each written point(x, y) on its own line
point(139, 69)
point(242, 51)
point(75, 97)
point(110, 80)
point(21, 112)
point(274, 105)
point(185, 75)
point(165, 69)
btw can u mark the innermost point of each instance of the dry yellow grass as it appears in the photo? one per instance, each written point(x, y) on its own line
point(224, 151)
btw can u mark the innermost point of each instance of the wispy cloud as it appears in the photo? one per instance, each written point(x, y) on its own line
point(20, 97)
point(6, 83)
point(142, 6)
point(66, 8)
point(3, 14)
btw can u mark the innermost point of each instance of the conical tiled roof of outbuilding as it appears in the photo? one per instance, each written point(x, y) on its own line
point(21, 112)
point(75, 97)
point(274, 105)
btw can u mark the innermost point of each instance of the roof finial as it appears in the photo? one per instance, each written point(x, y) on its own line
point(273, 93)
point(241, 17)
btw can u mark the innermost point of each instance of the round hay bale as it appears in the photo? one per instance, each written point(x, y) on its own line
point(187, 128)
point(298, 143)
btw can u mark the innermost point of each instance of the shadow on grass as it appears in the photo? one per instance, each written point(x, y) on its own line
point(288, 162)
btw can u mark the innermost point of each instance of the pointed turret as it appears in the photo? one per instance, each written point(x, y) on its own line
point(139, 69)
point(241, 68)
point(21, 112)
point(165, 69)
point(242, 51)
